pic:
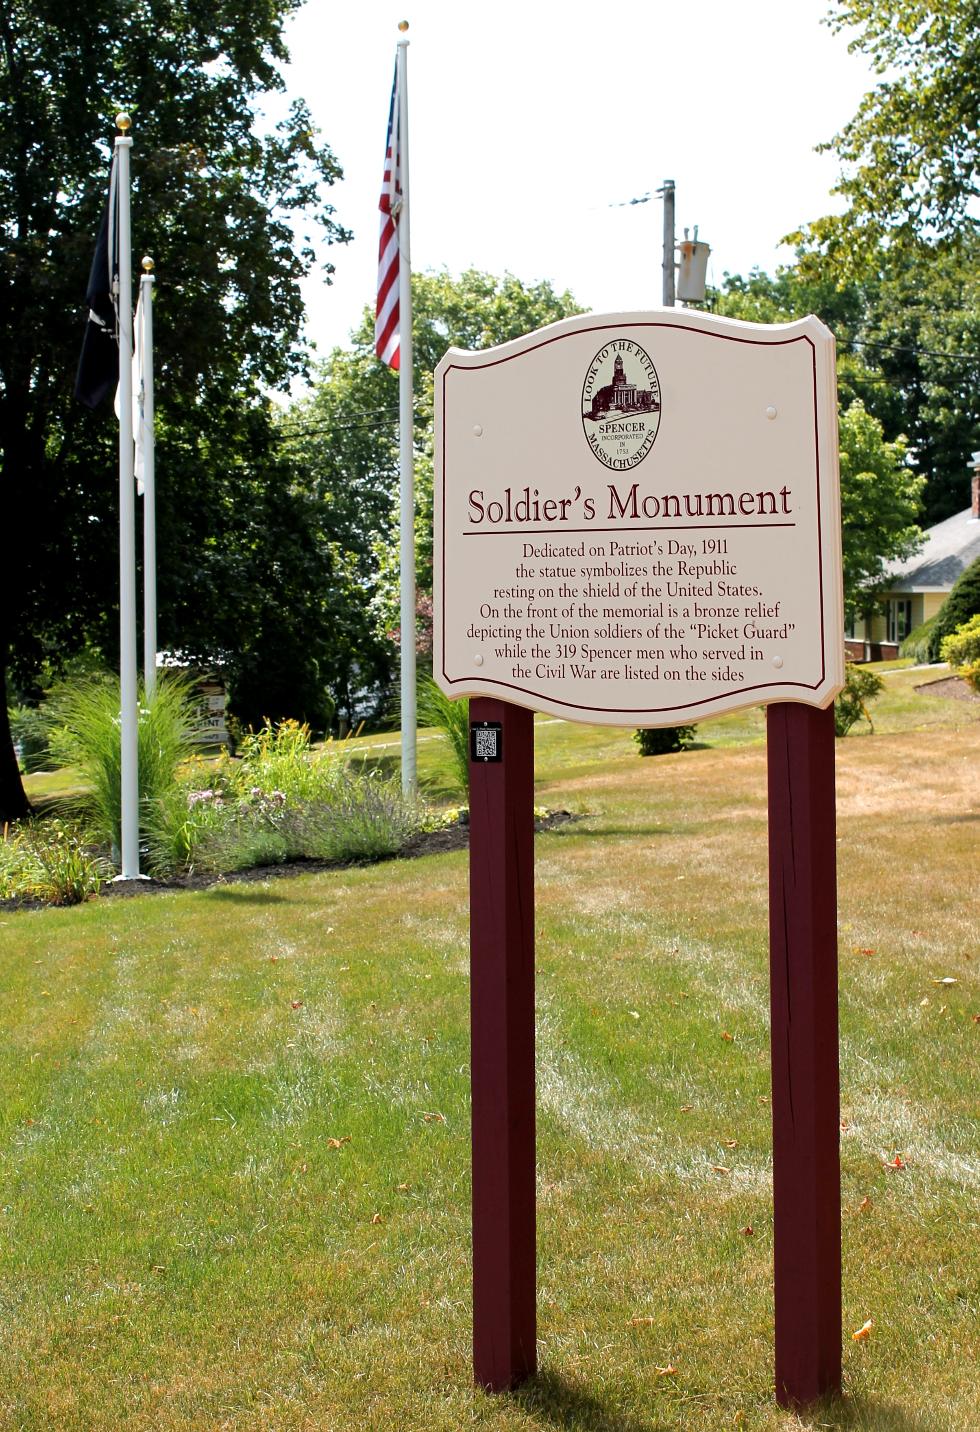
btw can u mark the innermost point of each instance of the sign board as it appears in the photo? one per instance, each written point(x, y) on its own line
point(637, 518)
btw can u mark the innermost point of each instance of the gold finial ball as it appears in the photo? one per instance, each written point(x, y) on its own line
point(147, 264)
point(123, 122)
point(403, 25)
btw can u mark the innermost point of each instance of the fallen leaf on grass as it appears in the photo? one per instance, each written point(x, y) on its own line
point(924, 1002)
point(864, 1332)
point(641, 1322)
point(725, 1035)
point(296, 1004)
point(975, 1018)
point(896, 1163)
point(720, 1168)
point(844, 1125)
point(339, 1143)
point(870, 951)
point(376, 1218)
point(669, 1371)
point(865, 1204)
point(434, 1118)
point(747, 1231)
point(403, 1187)
point(731, 1143)
point(686, 1108)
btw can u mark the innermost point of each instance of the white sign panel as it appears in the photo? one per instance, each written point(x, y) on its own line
point(637, 518)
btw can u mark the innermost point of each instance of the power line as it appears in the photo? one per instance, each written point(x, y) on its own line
point(911, 351)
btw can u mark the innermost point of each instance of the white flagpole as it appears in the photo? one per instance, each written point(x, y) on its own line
point(149, 486)
point(406, 443)
point(129, 711)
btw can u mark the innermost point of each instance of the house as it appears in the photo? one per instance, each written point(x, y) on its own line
point(918, 587)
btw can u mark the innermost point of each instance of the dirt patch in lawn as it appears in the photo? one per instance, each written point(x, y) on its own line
point(950, 687)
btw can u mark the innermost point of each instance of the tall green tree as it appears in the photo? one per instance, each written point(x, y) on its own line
point(879, 506)
point(216, 201)
point(909, 156)
point(907, 347)
point(344, 437)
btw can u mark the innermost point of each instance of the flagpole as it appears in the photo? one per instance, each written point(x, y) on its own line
point(129, 711)
point(406, 443)
point(149, 486)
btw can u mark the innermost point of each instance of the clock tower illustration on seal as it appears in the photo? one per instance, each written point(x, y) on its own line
point(621, 404)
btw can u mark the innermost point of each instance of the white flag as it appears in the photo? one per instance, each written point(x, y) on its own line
point(139, 390)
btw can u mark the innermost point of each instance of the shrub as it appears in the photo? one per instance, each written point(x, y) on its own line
point(48, 860)
point(962, 651)
point(918, 644)
point(452, 718)
point(369, 818)
point(280, 801)
point(659, 740)
point(860, 687)
point(280, 758)
point(86, 733)
point(962, 603)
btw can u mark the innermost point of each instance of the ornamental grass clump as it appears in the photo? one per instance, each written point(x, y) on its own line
point(452, 718)
point(87, 733)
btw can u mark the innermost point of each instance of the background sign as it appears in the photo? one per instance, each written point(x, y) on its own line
point(637, 518)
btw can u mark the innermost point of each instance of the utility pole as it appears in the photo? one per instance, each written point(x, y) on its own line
point(668, 195)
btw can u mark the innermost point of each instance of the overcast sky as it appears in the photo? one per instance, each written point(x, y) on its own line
point(532, 125)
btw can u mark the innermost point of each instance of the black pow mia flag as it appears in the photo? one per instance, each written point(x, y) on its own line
point(98, 366)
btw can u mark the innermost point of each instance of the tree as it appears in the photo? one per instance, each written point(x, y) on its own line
point(907, 337)
point(879, 504)
point(910, 152)
point(344, 437)
point(216, 202)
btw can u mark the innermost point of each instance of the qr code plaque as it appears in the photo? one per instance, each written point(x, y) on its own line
point(486, 741)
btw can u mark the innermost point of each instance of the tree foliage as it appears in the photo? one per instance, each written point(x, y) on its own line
point(879, 505)
point(216, 202)
point(344, 437)
point(907, 347)
point(909, 155)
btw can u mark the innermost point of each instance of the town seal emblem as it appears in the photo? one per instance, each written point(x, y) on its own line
point(621, 404)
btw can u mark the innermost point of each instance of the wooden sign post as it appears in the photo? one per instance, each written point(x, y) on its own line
point(637, 523)
point(502, 1046)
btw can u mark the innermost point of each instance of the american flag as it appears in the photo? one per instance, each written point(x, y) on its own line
point(386, 342)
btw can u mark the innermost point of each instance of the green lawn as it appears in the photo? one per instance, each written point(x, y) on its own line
point(235, 1122)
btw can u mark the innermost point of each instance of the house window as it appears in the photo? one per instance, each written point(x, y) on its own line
point(899, 617)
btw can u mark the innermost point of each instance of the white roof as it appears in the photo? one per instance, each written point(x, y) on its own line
point(949, 549)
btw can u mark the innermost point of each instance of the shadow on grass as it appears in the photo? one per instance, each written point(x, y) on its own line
point(864, 1414)
point(242, 891)
point(553, 1399)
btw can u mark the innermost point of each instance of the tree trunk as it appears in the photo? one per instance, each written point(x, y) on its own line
point(14, 804)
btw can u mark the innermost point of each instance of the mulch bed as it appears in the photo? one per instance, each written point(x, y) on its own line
point(949, 686)
point(434, 842)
